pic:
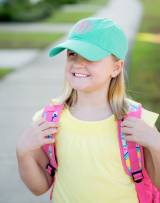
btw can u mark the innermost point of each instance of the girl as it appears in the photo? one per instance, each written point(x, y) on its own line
point(89, 163)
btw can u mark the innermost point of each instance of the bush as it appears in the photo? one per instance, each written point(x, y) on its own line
point(17, 10)
point(25, 11)
point(68, 1)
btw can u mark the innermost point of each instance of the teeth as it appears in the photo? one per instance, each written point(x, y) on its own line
point(80, 75)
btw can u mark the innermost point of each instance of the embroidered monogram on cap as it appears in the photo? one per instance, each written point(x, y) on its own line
point(83, 27)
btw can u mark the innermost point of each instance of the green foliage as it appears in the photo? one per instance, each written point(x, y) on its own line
point(68, 1)
point(17, 10)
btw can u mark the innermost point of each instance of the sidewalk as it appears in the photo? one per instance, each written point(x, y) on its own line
point(35, 27)
point(30, 88)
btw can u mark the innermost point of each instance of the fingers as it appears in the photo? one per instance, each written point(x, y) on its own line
point(48, 141)
point(127, 123)
point(48, 128)
point(47, 124)
point(45, 131)
point(127, 131)
point(42, 140)
point(49, 131)
point(43, 124)
point(47, 136)
point(39, 122)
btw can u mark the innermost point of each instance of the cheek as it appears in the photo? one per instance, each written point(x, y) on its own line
point(68, 74)
point(100, 75)
point(67, 69)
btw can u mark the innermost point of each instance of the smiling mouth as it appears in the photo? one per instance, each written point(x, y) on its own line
point(79, 75)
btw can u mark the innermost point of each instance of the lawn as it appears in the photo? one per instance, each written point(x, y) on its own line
point(4, 71)
point(68, 17)
point(27, 40)
point(63, 16)
point(144, 74)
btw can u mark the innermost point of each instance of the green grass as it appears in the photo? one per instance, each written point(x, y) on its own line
point(151, 16)
point(62, 16)
point(68, 17)
point(99, 2)
point(144, 73)
point(27, 40)
point(4, 72)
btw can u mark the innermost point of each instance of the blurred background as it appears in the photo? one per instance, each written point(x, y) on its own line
point(29, 78)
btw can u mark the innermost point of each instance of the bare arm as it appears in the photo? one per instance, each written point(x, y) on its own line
point(155, 153)
point(31, 158)
point(32, 171)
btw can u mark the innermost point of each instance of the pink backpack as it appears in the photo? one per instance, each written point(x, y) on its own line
point(131, 156)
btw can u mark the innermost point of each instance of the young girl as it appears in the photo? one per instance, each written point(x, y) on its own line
point(89, 163)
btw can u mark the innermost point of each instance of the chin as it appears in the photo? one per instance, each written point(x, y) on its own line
point(78, 86)
point(81, 89)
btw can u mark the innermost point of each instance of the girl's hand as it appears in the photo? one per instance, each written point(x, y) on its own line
point(138, 131)
point(36, 136)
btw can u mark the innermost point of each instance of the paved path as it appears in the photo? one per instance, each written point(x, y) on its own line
point(30, 88)
point(17, 57)
point(35, 27)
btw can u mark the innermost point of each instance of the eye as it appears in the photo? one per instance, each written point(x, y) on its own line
point(71, 53)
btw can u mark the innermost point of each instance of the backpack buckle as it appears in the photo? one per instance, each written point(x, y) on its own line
point(137, 176)
point(50, 169)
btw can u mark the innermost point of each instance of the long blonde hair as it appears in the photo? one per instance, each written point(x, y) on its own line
point(116, 95)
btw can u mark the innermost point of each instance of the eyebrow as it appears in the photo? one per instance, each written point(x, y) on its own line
point(70, 50)
point(78, 55)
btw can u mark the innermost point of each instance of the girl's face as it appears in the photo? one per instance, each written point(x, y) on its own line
point(87, 75)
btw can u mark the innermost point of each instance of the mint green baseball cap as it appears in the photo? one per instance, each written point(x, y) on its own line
point(94, 39)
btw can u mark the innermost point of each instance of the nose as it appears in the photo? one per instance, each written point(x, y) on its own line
point(80, 61)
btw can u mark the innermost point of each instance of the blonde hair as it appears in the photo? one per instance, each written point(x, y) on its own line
point(116, 95)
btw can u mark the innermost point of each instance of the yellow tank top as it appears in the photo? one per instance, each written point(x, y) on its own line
point(89, 162)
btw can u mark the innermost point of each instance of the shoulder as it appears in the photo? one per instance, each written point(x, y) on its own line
point(38, 114)
point(148, 116)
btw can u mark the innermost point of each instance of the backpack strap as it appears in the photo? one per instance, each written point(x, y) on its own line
point(131, 152)
point(52, 114)
point(133, 162)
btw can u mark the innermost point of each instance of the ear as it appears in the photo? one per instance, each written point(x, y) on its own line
point(118, 66)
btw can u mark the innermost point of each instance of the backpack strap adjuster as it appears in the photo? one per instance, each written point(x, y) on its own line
point(137, 176)
point(50, 169)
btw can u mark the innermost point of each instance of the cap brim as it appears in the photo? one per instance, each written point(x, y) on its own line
point(86, 50)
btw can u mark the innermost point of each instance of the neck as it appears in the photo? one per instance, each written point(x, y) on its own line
point(91, 107)
point(92, 101)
